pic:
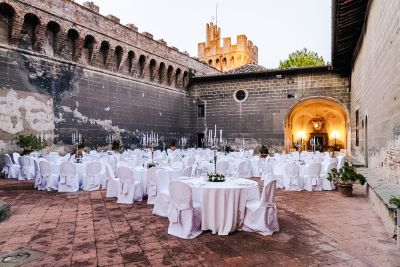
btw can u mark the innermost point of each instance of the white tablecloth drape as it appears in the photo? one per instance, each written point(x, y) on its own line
point(223, 204)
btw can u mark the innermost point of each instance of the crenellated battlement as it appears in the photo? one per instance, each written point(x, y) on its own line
point(79, 33)
point(228, 56)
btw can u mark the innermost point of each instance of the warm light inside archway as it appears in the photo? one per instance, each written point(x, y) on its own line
point(316, 121)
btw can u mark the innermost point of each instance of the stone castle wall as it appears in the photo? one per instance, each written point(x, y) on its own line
point(228, 56)
point(65, 67)
point(375, 92)
point(261, 118)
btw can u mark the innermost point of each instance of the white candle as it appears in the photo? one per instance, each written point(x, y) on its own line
point(41, 136)
point(220, 135)
point(215, 131)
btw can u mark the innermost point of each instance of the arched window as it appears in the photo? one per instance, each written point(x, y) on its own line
point(50, 42)
point(88, 49)
point(142, 63)
point(104, 49)
point(161, 72)
point(217, 62)
point(7, 14)
point(178, 78)
point(152, 67)
point(210, 62)
point(169, 74)
point(185, 79)
point(224, 62)
point(29, 31)
point(131, 59)
point(71, 44)
point(232, 61)
point(118, 57)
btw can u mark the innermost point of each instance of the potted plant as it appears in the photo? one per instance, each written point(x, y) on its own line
point(344, 179)
point(263, 151)
point(30, 143)
point(173, 145)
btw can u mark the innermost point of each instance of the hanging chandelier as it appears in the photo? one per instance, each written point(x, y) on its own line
point(317, 122)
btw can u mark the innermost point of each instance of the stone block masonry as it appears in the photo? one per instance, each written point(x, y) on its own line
point(64, 67)
point(271, 95)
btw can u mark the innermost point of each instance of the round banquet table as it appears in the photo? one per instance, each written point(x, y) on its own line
point(223, 203)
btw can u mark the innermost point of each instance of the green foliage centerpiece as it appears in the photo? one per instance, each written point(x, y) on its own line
point(215, 177)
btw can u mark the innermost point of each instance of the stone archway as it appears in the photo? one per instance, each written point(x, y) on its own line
point(322, 121)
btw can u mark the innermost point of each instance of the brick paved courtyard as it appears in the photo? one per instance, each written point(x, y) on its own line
point(85, 229)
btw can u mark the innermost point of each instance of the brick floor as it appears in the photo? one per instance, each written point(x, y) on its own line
point(86, 229)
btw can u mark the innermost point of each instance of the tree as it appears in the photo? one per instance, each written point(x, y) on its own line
point(302, 58)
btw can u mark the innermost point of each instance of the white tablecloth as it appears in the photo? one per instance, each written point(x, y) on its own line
point(223, 203)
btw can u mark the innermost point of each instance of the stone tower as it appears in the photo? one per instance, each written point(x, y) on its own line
point(228, 56)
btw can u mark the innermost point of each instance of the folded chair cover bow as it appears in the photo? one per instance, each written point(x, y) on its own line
point(174, 213)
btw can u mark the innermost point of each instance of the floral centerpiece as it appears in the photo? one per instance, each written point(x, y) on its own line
point(215, 177)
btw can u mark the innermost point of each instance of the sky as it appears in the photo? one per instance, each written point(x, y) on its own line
point(277, 27)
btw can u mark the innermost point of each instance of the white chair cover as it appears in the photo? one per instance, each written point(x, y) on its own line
point(15, 157)
point(129, 189)
point(267, 171)
point(151, 185)
point(48, 177)
point(291, 179)
point(326, 184)
point(311, 179)
point(187, 172)
point(184, 217)
point(223, 167)
point(10, 170)
point(178, 164)
point(112, 183)
point(161, 203)
point(261, 216)
point(277, 169)
point(91, 181)
point(27, 171)
point(69, 181)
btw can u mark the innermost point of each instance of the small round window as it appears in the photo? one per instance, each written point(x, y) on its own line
point(240, 95)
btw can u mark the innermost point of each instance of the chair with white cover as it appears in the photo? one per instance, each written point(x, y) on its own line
point(161, 203)
point(48, 179)
point(291, 179)
point(15, 157)
point(267, 172)
point(240, 173)
point(326, 184)
point(151, 185)
point(37, 173)
point(277, 173)
point(112, 182)
point(69, 181)
point(187, 172)
point(311, 180)
point(340, 162)
point(10, 170)
point(27, 168)
point(129, 189)
point(261, 215)
point(223, 167)
point(92, 180)
point(178, 164)
point(184, 215)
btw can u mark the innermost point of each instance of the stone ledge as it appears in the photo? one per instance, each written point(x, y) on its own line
point(383, 188)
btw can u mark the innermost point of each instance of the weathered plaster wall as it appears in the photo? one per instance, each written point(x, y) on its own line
point(375, 91)
point(261, 118)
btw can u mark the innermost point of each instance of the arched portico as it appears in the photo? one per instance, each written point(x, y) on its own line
point(319, 122)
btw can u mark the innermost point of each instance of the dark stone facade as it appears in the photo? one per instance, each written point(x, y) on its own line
point(260, 119)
